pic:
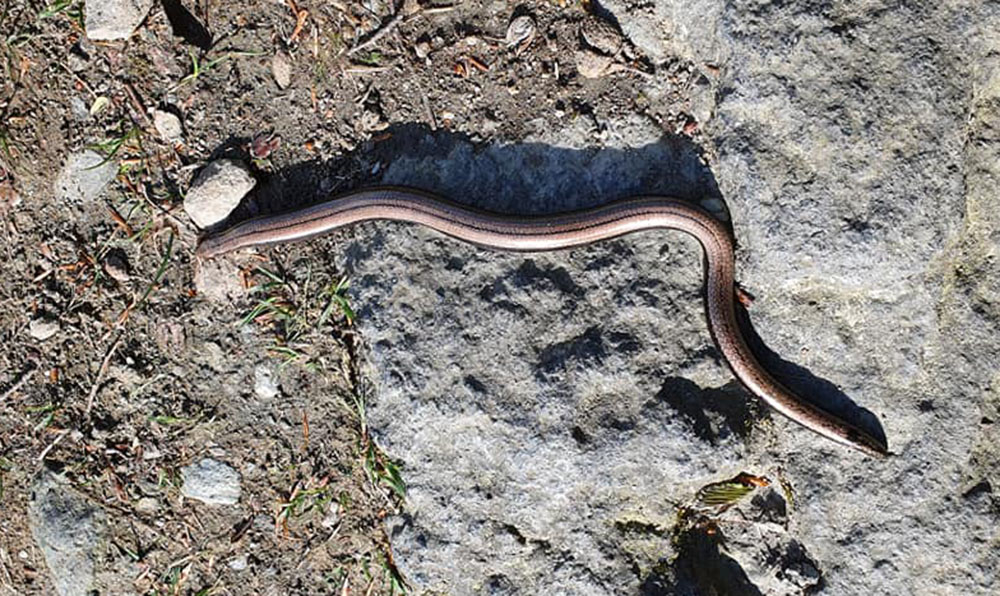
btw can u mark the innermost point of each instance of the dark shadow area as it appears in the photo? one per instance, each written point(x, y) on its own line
point(802, 382)
point(701, 568)
point(537, 178)
point(186, 26)
point(524, 178)
point(712, 413)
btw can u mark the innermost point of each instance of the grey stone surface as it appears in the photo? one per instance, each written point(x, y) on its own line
point(211, 481)
point(214, 281)
point(114, 19)
point(530, 397)
point(66, 529)
point(217, 190)
point(168, 125)
point(543, 405)
point(265, 386)
point(84, 176)
point(42, 329)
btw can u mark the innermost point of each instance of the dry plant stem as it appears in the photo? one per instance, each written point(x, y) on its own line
point(60, 437)
point(389, 26)
point(25, 376)
point(561, 231)
point(101, 372)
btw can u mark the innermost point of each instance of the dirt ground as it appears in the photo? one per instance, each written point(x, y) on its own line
point(145, 375)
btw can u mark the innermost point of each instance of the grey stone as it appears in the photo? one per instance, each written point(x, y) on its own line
point(43, 329)
point(84, 177)
point(114, 19)
point(601, 36)
point(264, 384)
point(217, 281)
point(281, 69)
point(216, 191)
point(66, 529)
point(147, 506)
point(539, 404)
point(238, 563)
point(167, 125)
point(527, 396)
point(211, 481)
point(78, 109)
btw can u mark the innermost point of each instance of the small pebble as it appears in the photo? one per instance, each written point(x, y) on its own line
point(116, 264)
point(217, 190)
point(238, 563)
point(147, 505)
point(43, 329)
point(78, 109)
point(281, 68)
point(168, 125)
point(592, 65)
point(114, 19)
point(422, 49)
point(264, 385)
point(601, 36)
point(77, 63)
point(211, 481)
point(84, 176)
point(520, 32)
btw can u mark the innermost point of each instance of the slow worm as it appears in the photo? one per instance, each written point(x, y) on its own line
point(552, 232)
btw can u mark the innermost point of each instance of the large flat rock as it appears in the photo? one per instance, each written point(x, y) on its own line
point(551, 410)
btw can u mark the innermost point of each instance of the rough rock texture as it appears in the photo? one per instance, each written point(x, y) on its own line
point(84, 176)
point(550, 410)
point(168, 125)
point(114, 19)
point(65, 527)
point(211, 481)
point(217, 190)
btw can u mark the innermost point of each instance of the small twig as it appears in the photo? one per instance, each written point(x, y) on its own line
point(120, 221)
point(430, 113)
point(20, 381)
point(300, 22)
point(389, 26)
point(365, 69)
point(100, 373)
point(430, 10)
point(138, 106)
point(477, 63)
point(41, 456)
point(305, 431)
